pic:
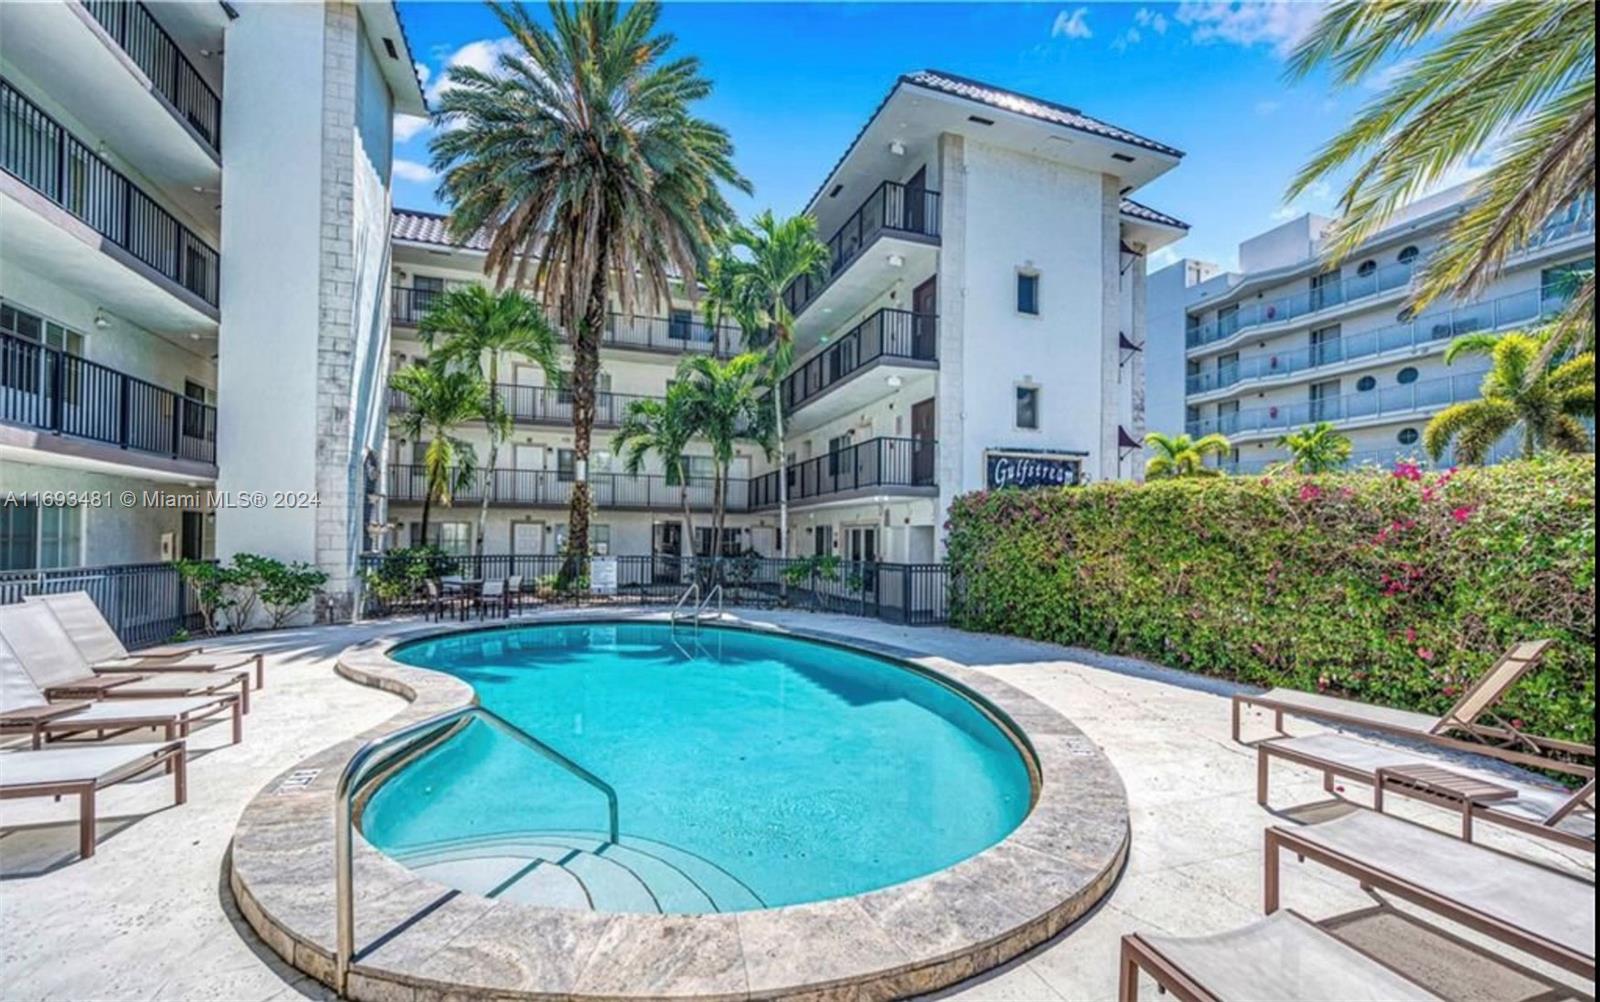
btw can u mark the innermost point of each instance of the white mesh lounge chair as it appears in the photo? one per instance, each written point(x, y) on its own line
point(100, 646)
point(24, 710)
point(60, 671)
point(83, 770)
point(1283, 957)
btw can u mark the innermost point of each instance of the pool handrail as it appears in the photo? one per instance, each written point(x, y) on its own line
point(382, 750)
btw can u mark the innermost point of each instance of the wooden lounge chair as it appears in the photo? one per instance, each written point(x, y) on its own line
point(1471, 718)
point(1529, 907)
point(1564, 816)
point(59, 670)
point(83, 770)
point(1283, 957)
point(100, 646)
point(24, 710)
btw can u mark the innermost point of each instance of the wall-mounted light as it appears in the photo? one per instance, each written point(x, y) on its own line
point(896, 261)
point(897, 148)
point(101, 320)
point(893, 382)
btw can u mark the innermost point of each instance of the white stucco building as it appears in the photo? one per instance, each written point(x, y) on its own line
point(194, 213)
point(1288, 339)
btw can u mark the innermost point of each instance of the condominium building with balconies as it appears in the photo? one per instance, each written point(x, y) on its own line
point(1290, 339)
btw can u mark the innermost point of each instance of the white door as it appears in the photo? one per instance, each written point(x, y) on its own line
point(527, 539)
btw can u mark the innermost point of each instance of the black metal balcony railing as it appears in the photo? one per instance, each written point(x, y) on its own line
point(545, 404)
point(39, 152)
point(50, 390)
point(553, 489)
point(133, 28)
point(877, 462)
point(891, 208)
point(887, 334)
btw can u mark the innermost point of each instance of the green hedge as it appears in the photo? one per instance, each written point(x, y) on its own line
point(1393, 587)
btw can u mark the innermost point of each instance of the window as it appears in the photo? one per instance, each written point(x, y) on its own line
point(836, 447)
point(1408, 255)
point(454, 538)
point(822, 540)
point(1028, 408)
point(732, 544)
point(32, 536)
point(1028, 293)
point(680, 325)
point(1325, 290)
point(1366, 268)
point(566, 466)
point(1557, 284)
point(599, 540)
point(195, 422)
point(1408, 436)
point(1325, 345)
point(1325, 400)
point(20, 369)
point(1366, 384)
point(1227, 320)
point(1406, 376)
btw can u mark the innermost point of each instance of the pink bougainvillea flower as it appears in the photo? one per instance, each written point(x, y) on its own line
point(1310, 492)
point(1425, 653)
point(1462, 513)
point(1411, 634)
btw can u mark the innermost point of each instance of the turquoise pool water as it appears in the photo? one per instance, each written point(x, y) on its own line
point(761, 770)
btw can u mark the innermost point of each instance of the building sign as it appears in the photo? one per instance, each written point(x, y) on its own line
point(1031, 469)
point(603, 576)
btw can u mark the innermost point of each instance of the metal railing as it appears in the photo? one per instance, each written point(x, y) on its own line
point(553, 489)
point(877, 462)
point(545, 404)
point(369, 760)
point(144, 603)
point(131, 26)
point(51, 390)
point(891, 208)
point(701, 604)
point(1428, 329)
point(1422, 395)
point(886, 334)
point(38, 151)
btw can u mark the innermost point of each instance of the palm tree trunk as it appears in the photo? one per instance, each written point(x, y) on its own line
point(494, 455)
point(719, 500)
point(585, 373)
point(783, 487)
point(688, 517)
point(427, 507)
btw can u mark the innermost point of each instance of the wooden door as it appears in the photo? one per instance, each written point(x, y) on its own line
point(924, 320)
point(922, 441)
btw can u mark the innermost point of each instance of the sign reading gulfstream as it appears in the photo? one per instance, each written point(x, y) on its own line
point(1031, 469)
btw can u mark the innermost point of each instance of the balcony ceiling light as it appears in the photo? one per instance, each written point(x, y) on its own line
point(892, 381)
point(896, 261)
point(897, 148)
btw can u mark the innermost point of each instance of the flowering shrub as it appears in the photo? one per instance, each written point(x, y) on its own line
point(1392, 588)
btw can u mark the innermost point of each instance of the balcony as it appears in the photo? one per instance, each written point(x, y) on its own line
point(135, 30)
point(44, 389)
point(1432, 329)
point(900, 345)
point(545, 405)
point(1390, 278)
point(407, 484)
point(903, 221)
point(1372, 407)
point(898, 466)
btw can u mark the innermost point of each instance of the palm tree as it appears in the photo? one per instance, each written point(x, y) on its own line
point(1182, 456)
point(663, 427)
point(1317, 449)
point(1513, 78)
point(725, 404)
point(746, 282)
point(580, 160)
point(438, 401)
point(1545, 400)
point(473, 329)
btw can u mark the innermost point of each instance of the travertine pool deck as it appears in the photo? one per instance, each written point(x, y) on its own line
point(151, 915)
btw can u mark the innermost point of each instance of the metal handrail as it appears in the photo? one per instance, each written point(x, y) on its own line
point(379, 752)
point(700, 609)
point(693, 591)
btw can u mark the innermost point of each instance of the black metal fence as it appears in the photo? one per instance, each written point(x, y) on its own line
point(133, 27)
point(144, 603)
point(890, 335)
point(553, 489)
point(877, 462)
point(546, 404)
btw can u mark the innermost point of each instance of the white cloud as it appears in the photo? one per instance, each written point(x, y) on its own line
point(1156, 21)
point(1382, 79)
point(483, 54)
point(1074, 25)
point(1277, 25)
point(1130, 36)
point(423, 73)
point(410, 170)
point(407, 127)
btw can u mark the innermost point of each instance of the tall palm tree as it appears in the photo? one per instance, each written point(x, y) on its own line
point(1468, 76)
point(746, 282)
point(474, 329)
point(438, 401)
point(1183, 456)
point(1545, 400)
point(1316, 449)
point(580, 159)
point(663, 427)
point(725, 404)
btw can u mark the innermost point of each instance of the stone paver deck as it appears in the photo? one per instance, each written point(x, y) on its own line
point(150, 916)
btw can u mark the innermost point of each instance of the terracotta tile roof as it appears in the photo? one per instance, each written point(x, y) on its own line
point(1149, 215)
point(428, 228)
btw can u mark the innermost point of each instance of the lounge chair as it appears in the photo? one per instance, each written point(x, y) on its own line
point(100, 646)
point(24, 710)
point(83, 770)
point(1498, 738)
point(1283, 957)
point(1545, 912)
point(60, 671)
point(1564, 816)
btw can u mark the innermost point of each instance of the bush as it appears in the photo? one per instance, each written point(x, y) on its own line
point(398, 576)
point(1392, 587)
point(228, 596)
point(286, 588)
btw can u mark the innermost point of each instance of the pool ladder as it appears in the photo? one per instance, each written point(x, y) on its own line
point(370, 760)
point(701, 604)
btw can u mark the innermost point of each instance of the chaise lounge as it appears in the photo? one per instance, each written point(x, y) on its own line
point(84, 770)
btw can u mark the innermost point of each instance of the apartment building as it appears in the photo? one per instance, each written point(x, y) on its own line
point(194, 211)
point(981, 324)
point(1289, 340)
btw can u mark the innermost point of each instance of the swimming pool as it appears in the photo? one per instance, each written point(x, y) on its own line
point(751, 770)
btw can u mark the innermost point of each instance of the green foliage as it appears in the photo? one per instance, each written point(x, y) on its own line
point(206, 580)
point(1183, 456)
point(1317, 449)
point(1526, 390)
point(286, 588)
point(399, 575)
point(1397, 588)
point(229, 595)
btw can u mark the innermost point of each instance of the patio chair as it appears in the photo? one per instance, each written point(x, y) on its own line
point(493, 595)
point(1468, 717)
point(101, 647)
point(60, 671)
point(1529, 907)
point(24, 710)
point(84, 770)
point(439, 601)
point(1283, 956)
point(1560, 815)
point(513, 594)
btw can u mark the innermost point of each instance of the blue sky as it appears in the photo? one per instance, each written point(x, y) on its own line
point(795, 82)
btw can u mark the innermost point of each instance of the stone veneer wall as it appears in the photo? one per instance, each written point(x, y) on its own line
point(952, 283)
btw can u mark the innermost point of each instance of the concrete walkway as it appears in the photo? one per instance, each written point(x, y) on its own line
point(149, 917)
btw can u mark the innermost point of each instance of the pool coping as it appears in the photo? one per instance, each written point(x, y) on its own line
point(420, 940)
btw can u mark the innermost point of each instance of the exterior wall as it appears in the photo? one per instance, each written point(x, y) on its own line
point(114, 533)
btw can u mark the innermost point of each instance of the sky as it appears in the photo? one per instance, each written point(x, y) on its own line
point(795, 82)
